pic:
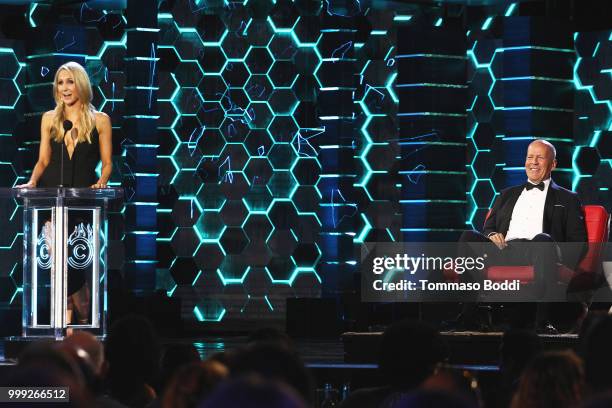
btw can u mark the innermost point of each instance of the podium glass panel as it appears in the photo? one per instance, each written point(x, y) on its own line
point(64, 259)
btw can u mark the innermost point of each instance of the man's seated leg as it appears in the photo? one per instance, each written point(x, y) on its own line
point(544, 255)
point(470, 317)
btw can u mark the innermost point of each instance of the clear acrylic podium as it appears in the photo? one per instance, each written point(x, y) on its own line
point(64, 259)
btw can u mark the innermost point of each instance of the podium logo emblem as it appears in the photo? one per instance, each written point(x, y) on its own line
point(43, 248)
point(81, 247)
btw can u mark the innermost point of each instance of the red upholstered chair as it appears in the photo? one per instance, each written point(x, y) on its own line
point(597, 222)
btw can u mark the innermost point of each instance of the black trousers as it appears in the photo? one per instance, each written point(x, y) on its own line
point(543, 255)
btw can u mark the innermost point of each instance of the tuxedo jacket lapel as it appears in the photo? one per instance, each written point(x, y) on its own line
point(549, 207)
point(514, 194)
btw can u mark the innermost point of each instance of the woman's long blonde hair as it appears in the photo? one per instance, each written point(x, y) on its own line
point(87, 118)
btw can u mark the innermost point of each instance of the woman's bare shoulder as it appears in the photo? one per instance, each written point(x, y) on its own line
point(103, 122)
point(47, 119)
point(101, 116)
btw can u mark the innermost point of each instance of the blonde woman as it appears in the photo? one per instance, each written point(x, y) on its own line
point(78, 151)
point(83, 146)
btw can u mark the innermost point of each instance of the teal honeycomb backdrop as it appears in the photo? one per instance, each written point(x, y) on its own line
point(271, 138)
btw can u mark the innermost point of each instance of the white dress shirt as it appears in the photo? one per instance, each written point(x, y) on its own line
point(528, 213)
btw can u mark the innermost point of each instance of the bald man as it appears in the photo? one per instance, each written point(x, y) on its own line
point(93, 348)
point(537, 211)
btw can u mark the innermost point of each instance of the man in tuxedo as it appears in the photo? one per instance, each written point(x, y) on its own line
point(537, 211)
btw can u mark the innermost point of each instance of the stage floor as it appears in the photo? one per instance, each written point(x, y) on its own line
point(468, 348)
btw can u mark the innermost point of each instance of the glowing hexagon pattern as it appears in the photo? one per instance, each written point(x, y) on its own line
point(592, 159)
point(247, 125)
point(277, 122)
point(12, 73)
point(584, 159)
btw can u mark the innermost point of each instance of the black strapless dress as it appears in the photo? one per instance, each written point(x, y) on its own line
point(79, 171)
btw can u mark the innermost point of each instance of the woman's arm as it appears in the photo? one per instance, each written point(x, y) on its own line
point(105, 131)
point(44, 153)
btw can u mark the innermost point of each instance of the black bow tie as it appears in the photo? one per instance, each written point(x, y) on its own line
point(540, 186)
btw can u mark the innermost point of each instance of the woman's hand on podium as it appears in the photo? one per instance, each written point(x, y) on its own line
point(99, 185)
point(29, 184)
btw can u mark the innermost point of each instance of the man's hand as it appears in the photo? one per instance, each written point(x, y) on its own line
point(499, 240)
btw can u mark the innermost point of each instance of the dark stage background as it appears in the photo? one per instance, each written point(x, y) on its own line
point(260, 142)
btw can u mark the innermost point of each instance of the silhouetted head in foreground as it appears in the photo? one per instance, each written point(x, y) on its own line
point(409, 352)
point(276, 363)
point(552, 379)
point(597, 352)
point(431, 399)
point(193, 382)
point(132, 352)
point(253, 392)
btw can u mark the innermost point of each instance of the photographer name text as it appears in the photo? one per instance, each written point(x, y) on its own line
point(426, 285)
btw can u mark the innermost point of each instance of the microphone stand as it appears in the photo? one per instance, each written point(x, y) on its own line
point(62, 162)
point(62, 159)
point(61, 225)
